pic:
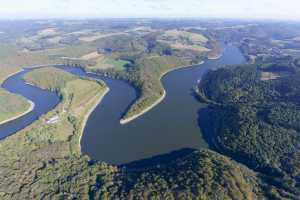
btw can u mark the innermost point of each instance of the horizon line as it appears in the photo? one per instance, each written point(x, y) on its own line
point(80, 18)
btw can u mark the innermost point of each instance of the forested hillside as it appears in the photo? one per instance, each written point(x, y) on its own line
point(256, 121)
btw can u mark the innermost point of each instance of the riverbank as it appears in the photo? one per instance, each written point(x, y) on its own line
point(31, 104)
point(215, 57)
point(86, 117)
point(124, 121)
point(31, 107)
point(9, 75)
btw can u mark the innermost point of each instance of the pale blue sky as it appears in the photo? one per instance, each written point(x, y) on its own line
point(276, 9)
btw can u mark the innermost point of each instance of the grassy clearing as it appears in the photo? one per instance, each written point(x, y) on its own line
point(183, 40)
point(108, 63)
point(12, 105)
point(90, 56)
point(47, 32)
point(266, 76)
point(101, 62)
point(8, 54)
point(49, 78)
point(97, 36)
point(6, 72)
point(193, 37)
point(11, 57)
point(181, 46)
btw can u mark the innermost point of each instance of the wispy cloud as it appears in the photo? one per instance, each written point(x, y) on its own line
point(151, 8)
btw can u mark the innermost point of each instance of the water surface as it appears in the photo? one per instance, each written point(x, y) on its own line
point(171, 125)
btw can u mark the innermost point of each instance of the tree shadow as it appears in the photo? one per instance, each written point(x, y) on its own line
point(206, 127)
point(158, 160)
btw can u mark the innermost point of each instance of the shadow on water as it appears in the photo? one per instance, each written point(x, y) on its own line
point(205, 126)
point(138, 94)
point(160, 159)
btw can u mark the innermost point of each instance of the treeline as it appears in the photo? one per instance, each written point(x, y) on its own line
point(196, 175)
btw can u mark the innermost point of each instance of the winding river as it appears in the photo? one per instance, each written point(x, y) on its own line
point(171, 125)
point(44, 101)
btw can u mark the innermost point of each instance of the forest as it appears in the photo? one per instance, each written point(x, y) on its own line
point(256, 121)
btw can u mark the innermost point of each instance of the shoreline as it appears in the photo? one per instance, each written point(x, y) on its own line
point(124, 121)
point(11, 74)
point(31, 107)
point(215, 57)
point(87, 115)
point(32, 104)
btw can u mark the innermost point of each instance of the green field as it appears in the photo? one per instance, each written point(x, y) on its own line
point(108, 63)
point(54, 79)
point(12, 105)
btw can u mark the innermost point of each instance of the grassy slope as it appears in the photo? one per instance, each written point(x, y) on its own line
point(107, 63)
point(183, 40)
point(12, 58)
point(12, 105)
